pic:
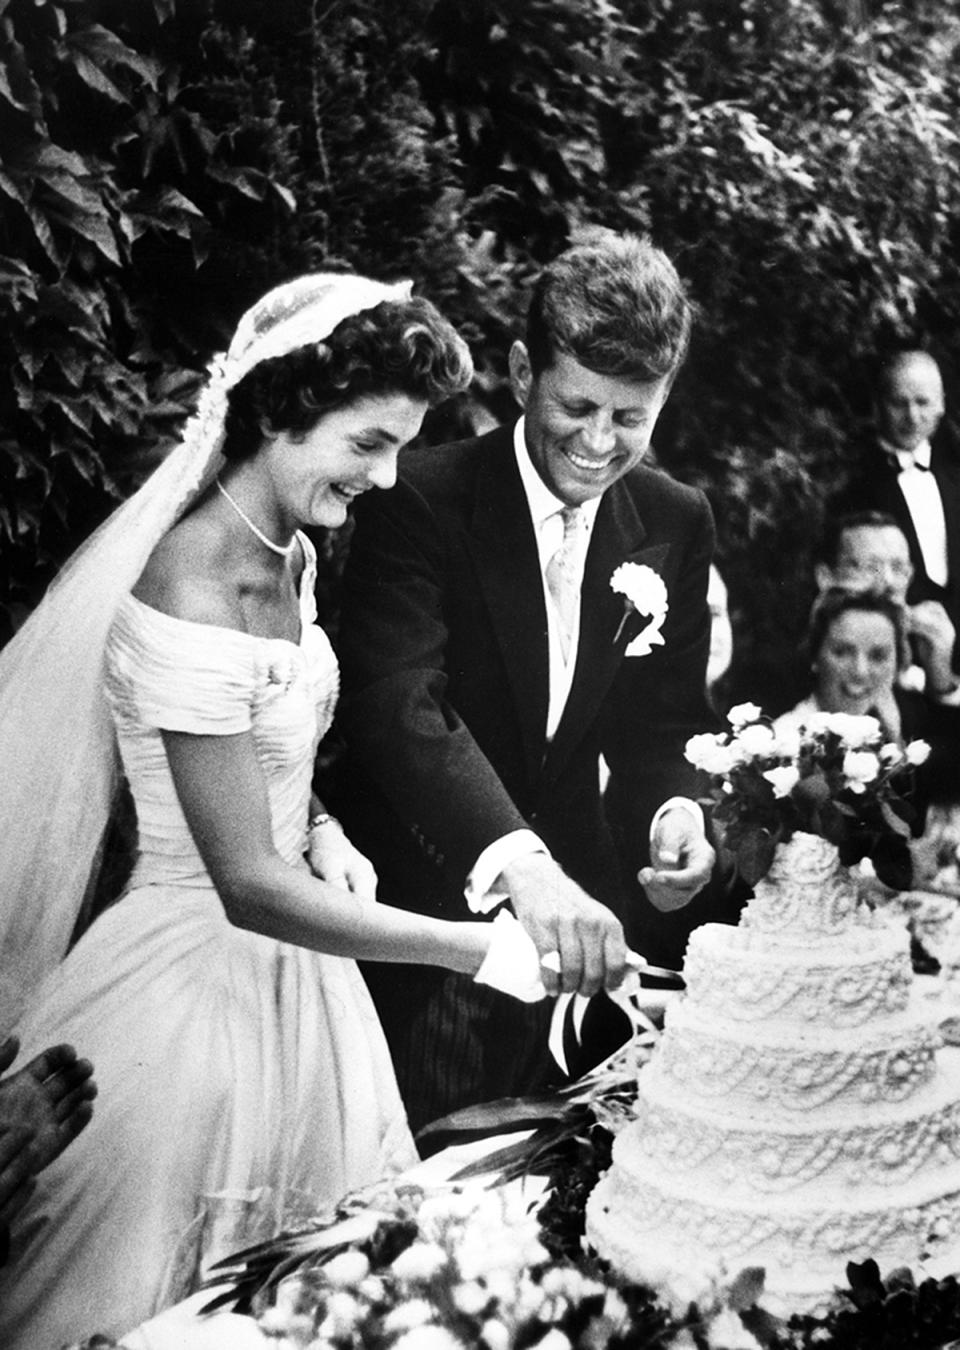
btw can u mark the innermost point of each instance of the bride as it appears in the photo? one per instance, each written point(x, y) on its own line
point(243, 1075)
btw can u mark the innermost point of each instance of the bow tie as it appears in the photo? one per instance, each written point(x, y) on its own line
point(903, 460)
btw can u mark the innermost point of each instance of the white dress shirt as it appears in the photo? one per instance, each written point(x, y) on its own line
point(545, 511)
point(922, 495)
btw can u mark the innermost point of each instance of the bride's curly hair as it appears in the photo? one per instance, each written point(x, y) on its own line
point(398, 347)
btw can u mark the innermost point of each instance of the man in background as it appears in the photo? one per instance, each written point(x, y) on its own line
point(909, 470)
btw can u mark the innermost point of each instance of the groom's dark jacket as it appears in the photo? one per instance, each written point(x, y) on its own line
point(443, 649)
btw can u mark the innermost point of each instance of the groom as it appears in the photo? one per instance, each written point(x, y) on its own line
point(488, 663)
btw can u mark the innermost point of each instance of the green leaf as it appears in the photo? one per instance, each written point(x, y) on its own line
point(754, 853)
point(893, 862)
point(747, 1288)
point(894, 821)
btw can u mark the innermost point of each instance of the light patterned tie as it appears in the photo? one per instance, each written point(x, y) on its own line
point(563, 575)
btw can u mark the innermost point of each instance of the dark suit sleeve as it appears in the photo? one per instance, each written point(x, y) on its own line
point(394, 713)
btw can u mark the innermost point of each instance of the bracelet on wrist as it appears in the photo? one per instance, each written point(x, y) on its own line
point(322, 818)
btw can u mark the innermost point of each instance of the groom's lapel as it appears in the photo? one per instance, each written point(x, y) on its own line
point(504, 550)
point(618, 537)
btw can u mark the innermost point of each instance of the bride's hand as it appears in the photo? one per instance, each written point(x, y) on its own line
point(334, 859)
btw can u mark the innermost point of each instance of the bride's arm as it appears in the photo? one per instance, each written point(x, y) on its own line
point(224, 799)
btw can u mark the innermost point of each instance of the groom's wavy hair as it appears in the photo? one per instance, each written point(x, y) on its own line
point(616, 304)
point(397, 347)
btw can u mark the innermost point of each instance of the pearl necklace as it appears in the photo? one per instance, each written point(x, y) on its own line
point(283, 550)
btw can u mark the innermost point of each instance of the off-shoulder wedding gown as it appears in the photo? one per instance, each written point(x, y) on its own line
point(242, 1080)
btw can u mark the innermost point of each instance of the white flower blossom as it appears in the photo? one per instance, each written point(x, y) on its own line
point(710, 754)
point(700, 747)
point(743, 713)
point(787, 742)
point(553, 1340)
point(727, 1332)
point(917, 752)
point(757, 740)
point(347, 1269)
point(428, 1337)
point(471, 1297)
point(420, 1261)
point(494, 1335)
point(643, 587)
point(890, 754)
point(646, 593)
point(343, 1313)
point(859, 768)
point(853, 729)
point(783, 779)
point(405, 1316)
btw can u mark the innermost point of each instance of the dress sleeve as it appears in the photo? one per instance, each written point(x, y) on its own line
point(173, 675)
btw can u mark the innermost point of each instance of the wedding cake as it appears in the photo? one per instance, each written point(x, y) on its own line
point(795, 1114)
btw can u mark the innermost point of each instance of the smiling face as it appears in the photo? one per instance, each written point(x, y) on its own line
point(857, 661)
point(583, 430)
point(316, 476)
point(877, 556)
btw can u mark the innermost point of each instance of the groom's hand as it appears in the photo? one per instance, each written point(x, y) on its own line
point(561, 918)
point(681, 859)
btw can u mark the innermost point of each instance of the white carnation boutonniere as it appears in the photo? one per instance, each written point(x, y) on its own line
point(645, 593)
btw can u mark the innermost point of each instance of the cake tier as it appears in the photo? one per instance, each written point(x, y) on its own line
point(843, 984)
point(789, 1071)
point(806, 897)
point(736, 1157)
point(656, 1235)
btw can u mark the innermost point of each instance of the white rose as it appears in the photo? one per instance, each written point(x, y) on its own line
point(855, 731)
point(757, 740)
point(859, 768)
point(917, 752)
point(743, 713)
point(782, 779)
point(787, 743)
point(701, 747)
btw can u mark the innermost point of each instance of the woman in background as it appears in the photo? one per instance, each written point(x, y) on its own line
point(856, 642)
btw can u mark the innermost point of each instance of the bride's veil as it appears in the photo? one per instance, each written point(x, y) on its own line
point(58, 756)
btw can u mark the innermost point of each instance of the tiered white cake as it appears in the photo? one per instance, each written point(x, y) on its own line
point(793, 1115)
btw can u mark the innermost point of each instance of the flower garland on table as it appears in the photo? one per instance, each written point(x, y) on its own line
point(836, 776)
point(398, 1268)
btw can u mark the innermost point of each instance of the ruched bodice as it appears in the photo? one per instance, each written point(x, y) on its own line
point(166, 673)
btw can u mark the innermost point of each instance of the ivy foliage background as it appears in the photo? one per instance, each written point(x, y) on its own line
point(164, 161)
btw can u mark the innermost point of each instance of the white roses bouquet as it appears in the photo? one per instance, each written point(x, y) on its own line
point(836, 776)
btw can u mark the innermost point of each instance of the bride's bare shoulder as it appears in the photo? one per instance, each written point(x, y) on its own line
point(189, 576)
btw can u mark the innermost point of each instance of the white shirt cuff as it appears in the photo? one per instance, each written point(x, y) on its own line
point(680, 803)
point(480, 895)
